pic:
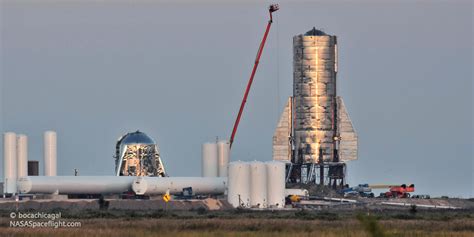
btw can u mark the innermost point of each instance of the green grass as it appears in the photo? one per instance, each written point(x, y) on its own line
point(247, 223)
point(365, 226)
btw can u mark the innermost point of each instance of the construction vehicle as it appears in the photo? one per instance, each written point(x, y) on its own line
point(401, 191)
point(361, 190)
point(421, 196)
point(272, 8)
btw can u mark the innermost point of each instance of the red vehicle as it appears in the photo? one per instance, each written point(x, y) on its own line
point(401, 191)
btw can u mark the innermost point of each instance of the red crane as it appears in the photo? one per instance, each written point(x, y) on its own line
point(271, 9)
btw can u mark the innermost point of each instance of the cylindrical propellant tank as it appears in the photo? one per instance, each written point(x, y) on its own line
point(314, 93)
point(75, 184)
point(175, 185)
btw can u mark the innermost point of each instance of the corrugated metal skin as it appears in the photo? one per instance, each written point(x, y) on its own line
point(348, 145)
point(137, 154)
point(281, 143)
point(314, 85)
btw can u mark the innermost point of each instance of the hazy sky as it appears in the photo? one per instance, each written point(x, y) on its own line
point(95, 70)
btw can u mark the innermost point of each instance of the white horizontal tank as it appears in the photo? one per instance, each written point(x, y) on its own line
point(258, 184)
point(238, 192)
point(276, 184)
point(209, 160)
point(75, 184)
point(175, 185)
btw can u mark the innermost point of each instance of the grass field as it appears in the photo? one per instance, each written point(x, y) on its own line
point(302, 223)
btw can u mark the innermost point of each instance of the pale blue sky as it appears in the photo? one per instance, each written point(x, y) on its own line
point(95, 70)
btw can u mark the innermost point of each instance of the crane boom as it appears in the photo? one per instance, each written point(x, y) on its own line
point(271, 9)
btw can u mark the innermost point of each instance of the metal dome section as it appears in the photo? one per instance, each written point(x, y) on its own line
point(136, 154)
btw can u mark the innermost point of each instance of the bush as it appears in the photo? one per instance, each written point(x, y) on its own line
point(413, 209)
point(371, 225)
point(201, 211)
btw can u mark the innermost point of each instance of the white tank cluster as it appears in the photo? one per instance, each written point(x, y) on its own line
point(215, 159)
point(17, 180)
point(15, 158)
point(256, 184)
point(249, 185)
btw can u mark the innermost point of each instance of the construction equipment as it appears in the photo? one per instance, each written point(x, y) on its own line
point(402, 191)
point(361, 190)
point(271, 9)
point(365, 190)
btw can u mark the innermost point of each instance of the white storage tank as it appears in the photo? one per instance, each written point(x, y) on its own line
point(10, 162)
point(258, 184)
point(276, 184)
point(50, 153)
point(238, 192)
point(223, 155)
point(22, 154)
point(209, 160)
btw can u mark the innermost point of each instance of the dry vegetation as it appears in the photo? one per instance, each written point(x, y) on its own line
point(204, 223)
